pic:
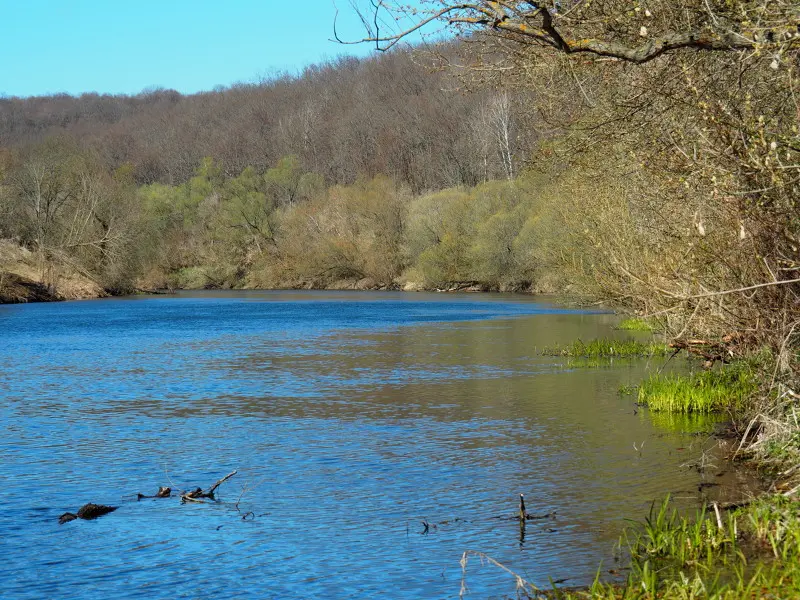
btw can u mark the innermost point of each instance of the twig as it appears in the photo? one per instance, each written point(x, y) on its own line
point(522, 584)
point(744, 289)
point(792, 491)
point(716, 512)
point(166, 474)
point(744, 437)
point(193, 496)
point(210, 491)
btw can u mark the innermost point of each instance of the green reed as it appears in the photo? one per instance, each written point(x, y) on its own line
point(608, 348)
point(703, 392)
point(636, 324)
point(750, 552)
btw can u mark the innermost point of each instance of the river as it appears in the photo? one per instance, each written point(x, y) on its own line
point(351, 419)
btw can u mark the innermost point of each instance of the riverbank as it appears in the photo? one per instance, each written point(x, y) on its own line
point(16, 288)
point(746, 552)
point(23, 279)
point(749, 548)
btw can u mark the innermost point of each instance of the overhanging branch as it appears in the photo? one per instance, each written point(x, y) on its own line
point(539, 24)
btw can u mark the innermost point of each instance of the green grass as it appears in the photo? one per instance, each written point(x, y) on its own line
point(636, 324)
point(751, 552)
point(704, 392)
point(608, 348)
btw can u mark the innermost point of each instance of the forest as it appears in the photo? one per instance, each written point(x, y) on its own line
point(229, 188)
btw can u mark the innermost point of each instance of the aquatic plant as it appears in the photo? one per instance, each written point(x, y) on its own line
point(726, 553)
point(748, 552)
point(636, 324)
point(704, 392)
point(608, 348)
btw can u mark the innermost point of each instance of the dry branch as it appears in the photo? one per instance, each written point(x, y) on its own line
point(543, 24)
point(198, 494)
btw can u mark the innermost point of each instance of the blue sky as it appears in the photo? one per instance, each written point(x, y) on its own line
point(119, 46)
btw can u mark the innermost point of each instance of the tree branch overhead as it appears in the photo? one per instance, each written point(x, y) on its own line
point(605, 28)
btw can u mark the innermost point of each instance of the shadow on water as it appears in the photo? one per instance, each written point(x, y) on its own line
point(352, 419)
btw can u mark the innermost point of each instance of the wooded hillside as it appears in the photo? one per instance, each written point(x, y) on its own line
point(393, 115)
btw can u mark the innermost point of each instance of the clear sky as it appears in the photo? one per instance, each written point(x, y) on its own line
point(125, 46)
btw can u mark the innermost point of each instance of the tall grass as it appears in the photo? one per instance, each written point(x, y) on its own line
point(751, 552)
point(703, 392)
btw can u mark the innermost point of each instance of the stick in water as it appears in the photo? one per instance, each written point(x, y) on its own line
point(210, 491)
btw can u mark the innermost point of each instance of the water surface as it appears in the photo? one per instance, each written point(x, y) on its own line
point(351, 418)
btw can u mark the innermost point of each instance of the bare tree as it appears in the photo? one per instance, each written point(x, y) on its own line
point(499, 117)
point(608, 28)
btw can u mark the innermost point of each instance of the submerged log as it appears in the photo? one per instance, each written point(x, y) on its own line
point(87, 512)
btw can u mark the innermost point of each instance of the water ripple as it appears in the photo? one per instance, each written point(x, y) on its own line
point(351, 419)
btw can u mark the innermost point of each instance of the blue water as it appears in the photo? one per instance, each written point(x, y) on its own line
point(350, 417)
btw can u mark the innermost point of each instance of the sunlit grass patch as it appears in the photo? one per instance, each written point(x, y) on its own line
point(608, 348)
point(675, 539)
point(746, 552)
point(702, 392)
point(636, 324)
point(750, 552)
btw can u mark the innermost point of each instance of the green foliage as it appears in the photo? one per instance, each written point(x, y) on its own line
point(190, 278)
point(751, 552)
point(461, 235)
point(349, 234)
point(607, 348)
point(438, 228)
point(288, 183)
point(636, 324)
point(667, 536)
point(726, 388)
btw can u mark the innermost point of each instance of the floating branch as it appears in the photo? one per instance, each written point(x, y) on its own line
point(198, 494)
point(163, 492)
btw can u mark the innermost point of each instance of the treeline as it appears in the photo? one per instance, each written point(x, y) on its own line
point(283, 226)
point(393, 115)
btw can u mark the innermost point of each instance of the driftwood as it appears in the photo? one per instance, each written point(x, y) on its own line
point(427, 526)
point(92, 511)
point(163, 492)
point(710, 351)
point(154, 291)
point(198, 494)
point(87, 512)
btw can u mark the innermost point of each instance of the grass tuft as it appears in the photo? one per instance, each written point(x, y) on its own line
point(703, 392)
point(608, 348)
point(636, 324)
point(752, 552)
